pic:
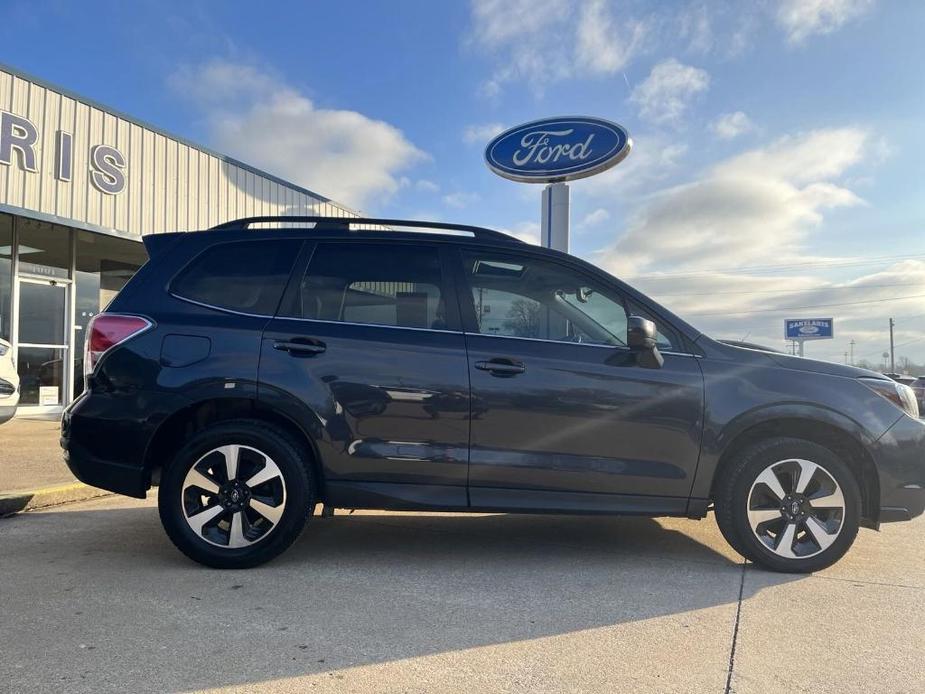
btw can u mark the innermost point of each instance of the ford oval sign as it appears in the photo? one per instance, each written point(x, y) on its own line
point(558, 149)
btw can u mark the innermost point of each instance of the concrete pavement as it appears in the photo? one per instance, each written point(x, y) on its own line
point(32, 469)
point(30, 457)
point(93, 598)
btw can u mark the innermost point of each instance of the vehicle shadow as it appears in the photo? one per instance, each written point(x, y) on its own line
point(354, 590)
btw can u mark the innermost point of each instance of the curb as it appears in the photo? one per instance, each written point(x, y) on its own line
point(47, 496)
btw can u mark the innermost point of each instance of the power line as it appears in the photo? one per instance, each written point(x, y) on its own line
point(798, 291)
point(860, 318)
point(901, 344)
point(802, 308)
point(834, 263)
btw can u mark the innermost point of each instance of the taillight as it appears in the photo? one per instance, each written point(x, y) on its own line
point(105, 331)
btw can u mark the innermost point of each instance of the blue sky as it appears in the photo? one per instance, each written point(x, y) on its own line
point(778, 157)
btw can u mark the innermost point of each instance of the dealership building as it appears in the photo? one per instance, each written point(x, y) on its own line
point(80, 184)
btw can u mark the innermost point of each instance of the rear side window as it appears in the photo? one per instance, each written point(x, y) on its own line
point(379, 284)
point(247, 276)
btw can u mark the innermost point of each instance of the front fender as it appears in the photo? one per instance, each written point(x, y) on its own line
point(719, 437)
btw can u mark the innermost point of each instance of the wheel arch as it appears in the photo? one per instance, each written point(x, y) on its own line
point(175, 430)
point(846, 444)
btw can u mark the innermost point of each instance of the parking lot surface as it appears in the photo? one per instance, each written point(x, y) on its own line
point(30, 456)
point(94, 598)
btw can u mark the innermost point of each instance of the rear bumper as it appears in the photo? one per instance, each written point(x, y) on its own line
point(129, 480)
point(101, 455)
point(900, 458)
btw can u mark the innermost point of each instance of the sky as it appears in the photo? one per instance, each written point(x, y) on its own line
point(778, 168)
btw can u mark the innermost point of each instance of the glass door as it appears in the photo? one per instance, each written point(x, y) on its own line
point(43, 347)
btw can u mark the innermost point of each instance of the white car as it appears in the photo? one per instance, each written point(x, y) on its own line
point(9, 382)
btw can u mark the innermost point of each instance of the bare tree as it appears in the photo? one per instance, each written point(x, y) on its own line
point(523, 318)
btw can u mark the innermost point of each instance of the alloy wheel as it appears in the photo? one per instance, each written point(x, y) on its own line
point(796, 509)
point(233, 496)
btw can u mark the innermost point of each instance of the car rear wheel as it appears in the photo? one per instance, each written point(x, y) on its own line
point(236, 495)
point(789, 505)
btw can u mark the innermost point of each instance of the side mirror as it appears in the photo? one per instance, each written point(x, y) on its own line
point(641, 339)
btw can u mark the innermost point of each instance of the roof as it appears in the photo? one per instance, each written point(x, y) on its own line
point(144, 124)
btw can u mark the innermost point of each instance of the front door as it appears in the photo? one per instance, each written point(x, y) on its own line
point(43, 346)
point(366, 352)
point(562, 415)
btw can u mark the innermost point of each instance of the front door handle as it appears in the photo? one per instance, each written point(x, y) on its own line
point(501, 367)
point(300, 347)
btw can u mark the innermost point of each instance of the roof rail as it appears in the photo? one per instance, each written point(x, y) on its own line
point(345, 223)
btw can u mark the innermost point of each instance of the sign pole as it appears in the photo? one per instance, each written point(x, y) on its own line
point(555, 217)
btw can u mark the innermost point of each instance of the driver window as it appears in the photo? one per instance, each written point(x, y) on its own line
point(527, 297)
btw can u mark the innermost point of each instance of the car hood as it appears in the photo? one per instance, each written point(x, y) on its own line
point(822, 367)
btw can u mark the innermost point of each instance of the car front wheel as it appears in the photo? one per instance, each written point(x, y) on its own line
point(236, 495)
point(789, 505)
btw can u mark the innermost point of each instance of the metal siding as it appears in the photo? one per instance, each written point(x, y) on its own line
point(170, 185)
point(193, 189)
point(64, 194)
point(135, 180)
point(16, 185)
point(94, 196)
point(46, 176)
point(123, 202)
point(108, 201)
point(220, 190)
point(183, 188)
point(79, 181)
point(6, 103)
point(204, 190)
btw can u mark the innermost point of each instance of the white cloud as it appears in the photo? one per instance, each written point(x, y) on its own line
point(807, 158)
point(668, 90)
point(598, 216)
point(426, 186)
point(535, 43)
point(746, 209)
point(605, 46)
point(652, 159)
point(460, 199)
point(258, 118)
point(481, 134)
point(528, 232)
point(500, 22)
point(694, 25)
point(735, 250)
point(730, 125)
point(731, 306)
point(513, 31)
point(803, 18)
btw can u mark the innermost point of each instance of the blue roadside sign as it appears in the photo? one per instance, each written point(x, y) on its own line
point(809, 328)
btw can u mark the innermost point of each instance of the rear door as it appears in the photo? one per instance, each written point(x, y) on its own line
point(367, 353)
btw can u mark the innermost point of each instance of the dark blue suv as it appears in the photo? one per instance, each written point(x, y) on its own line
point(379, 364)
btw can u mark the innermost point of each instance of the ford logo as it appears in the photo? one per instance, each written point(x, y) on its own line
point(809, 329)
point(557, 149)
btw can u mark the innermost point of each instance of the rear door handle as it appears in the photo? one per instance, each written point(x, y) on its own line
point(501, 367)
point(300, 347)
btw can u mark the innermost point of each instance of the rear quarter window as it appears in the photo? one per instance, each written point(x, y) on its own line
point(244, 276)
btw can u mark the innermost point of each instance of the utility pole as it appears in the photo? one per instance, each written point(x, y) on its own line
point(851, 346)
point(892, 353)
point(846, 358)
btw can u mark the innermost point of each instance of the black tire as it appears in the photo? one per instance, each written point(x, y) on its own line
point(298, 489)
point(732, 493)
